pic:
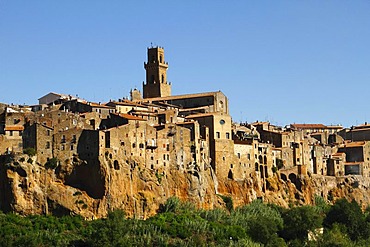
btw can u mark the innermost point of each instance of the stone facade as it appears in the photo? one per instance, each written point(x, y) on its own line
point(156, 75)
point(154, 137)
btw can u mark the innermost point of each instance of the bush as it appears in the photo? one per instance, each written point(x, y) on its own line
point(349, 215)
point(29, 151)
point(228, 202)
point(279, 163)
point(52, 163)
point(299, 221)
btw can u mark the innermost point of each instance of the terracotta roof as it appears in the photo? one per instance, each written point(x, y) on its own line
point(308, 126)
point(14, 127)
point(129, 117)
point(99, 105)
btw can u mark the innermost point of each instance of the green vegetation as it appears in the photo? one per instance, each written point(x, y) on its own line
point(29, 151)
point(181, 224)
point(279, 163)
point(52, 163)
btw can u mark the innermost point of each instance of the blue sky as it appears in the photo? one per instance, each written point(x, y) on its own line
point(281, 61)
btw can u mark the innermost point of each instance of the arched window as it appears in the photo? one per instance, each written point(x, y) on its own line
point(163, 79)
point(160, 58)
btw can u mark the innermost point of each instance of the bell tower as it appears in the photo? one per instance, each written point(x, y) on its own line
point(156, 84)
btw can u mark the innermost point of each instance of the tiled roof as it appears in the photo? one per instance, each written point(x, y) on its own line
point(99, 105)
point(14, 127)
point(129, 117)
point(308, 126)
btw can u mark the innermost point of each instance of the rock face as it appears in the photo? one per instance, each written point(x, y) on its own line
point(91, 190)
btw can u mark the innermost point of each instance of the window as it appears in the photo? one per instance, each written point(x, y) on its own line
point(11, 133)
point(218, 135)
point(239, 155)
point(227, 135)
point(48, 132)
point(71, 147)
point(47, 145)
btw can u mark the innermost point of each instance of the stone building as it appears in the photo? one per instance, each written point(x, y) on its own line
point(357, 158)
point(156, 76)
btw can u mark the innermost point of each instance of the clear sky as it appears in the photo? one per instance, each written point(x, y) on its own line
point(281, 61)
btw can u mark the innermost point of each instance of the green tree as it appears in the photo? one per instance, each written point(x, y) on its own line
point(261, 221)
point(110, 231)
point(349, 215)
point(298, 222)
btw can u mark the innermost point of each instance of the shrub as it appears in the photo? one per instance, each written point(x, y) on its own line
point(77, 193)
point(349, 215)
point(171, 205)
point(279, 163)
point(228, 202)
point(29, 151)
point(299, 221)
point(52, 163)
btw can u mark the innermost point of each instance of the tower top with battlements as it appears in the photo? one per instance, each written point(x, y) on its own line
point(156, 84)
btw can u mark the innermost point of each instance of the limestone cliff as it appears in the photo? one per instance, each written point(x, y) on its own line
point(91, 190)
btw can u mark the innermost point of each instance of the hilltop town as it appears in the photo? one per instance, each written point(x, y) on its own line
point(70, 155)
